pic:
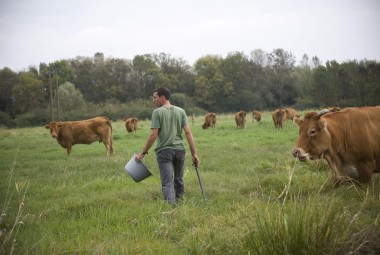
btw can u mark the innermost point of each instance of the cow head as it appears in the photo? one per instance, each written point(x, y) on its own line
point(314, 137)
point(53, 126)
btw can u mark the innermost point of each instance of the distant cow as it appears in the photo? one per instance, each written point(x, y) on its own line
point(279, 118)
point(69, 133)
point(291, 113)
point(240, 119)
point(131, 124)
point(210, 120)
point(349, 140)
point(256, 116)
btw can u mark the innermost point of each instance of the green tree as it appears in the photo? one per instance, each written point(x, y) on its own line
point(71, 99)
point(179, 77)
point(315, 62)
point(119, 84)
point(28, 93)
point(303, 82)
point(262, 97)
point(320, 91)
point(237, 80)
point(259, 57)
point(146, 75)
point(338, 82)
point(83, 68)
point(282, 63)
point(369, 82)
point(8, 79)
point(209, 83)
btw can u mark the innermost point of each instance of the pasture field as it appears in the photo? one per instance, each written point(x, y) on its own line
point(259, 199)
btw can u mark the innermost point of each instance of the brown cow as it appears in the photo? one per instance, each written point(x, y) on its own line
point(210, 120)
point(131, 124)
point(279, 118)
point(69, 133)
point(240, 119)
point(349, 140)
point(256, 116)
point(291, 113)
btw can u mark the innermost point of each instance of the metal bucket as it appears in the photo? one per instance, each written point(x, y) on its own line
point(137, 170)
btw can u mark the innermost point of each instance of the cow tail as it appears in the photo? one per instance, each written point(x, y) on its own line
point(110, 138)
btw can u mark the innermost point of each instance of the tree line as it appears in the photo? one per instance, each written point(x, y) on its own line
point(86, 86)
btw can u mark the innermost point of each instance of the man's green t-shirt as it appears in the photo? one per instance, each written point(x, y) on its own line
point(170, 120)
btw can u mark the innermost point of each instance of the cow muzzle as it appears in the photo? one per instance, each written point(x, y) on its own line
point(300, 154)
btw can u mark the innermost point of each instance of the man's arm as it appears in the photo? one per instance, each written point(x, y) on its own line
point(191, 141)
point(151, 139)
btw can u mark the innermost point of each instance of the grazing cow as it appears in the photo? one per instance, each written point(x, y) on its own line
point(240, 119)
point(349, 140)
point(210, 120)
point(69, 133)
point(279, 118)
point(256, 116)
point(131, 124)
point(291, 113)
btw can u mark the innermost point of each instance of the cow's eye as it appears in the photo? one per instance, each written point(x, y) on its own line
point(311, 132)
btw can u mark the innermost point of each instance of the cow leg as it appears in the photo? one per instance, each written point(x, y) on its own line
point(365, 172)
point(352, 174)
point(340, 174)
point(68, 149)
point(109, 147)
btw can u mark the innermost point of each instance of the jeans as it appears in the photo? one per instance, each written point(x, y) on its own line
point(171, 165)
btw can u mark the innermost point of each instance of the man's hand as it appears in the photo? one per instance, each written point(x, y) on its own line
point(139, 157)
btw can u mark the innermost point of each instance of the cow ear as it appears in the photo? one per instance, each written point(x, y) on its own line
point(47, 126)
point(322, 124)
point(298, 121)
point(59, 125)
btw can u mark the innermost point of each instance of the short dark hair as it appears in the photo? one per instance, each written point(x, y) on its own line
point(162, 91)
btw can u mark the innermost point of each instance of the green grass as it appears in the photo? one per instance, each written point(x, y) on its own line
point(260, 200)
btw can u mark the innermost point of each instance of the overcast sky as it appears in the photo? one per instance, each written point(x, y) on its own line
point(35, 31)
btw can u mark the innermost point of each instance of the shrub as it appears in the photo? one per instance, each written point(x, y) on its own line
point(5, 119)
point(36, 117)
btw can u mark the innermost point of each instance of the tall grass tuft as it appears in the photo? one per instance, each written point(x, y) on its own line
point(8, 232)
point(313, 226)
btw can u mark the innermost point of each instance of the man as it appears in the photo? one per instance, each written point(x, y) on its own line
point(167, 124)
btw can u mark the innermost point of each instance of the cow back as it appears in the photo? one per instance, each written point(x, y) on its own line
point(356, 129)
point(85, 131)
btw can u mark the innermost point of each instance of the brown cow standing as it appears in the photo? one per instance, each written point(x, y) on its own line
point(210, 120)
point(131, 124)
point(256, 116)
point(291, 113)
point(349, 140)
point(279, 118)
point(240, 119)
point(69, 133)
